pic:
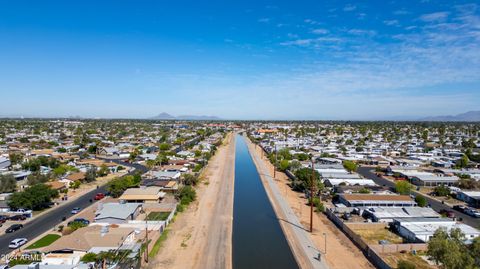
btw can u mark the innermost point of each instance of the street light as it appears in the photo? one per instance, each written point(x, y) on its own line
point(325, 235)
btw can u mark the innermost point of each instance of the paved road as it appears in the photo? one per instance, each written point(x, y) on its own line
point(47, 221)
point(436, 205)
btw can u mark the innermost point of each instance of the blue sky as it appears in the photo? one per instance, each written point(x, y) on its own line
point(240, 59)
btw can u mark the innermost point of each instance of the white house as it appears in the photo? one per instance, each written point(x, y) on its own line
point(423, 229)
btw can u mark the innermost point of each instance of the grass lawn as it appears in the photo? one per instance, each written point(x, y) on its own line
point(393, 258)
point(158, 215)
point(44, 241)
point(374, 235)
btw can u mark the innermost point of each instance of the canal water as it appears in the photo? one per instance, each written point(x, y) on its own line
point(258, 240)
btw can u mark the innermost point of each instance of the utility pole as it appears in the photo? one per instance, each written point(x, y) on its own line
point(146, 237)
point(325, 235)
point(275, 164)
point(311, 198)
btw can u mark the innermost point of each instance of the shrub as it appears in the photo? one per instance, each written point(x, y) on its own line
point(402, 264)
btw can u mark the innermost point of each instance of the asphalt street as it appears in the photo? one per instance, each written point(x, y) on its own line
point(54, 216)
point(436, 205)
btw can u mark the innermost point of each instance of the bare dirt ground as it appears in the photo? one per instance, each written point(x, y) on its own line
point(341, 253)
point(201, 237)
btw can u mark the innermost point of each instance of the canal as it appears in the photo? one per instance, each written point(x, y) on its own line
point(258, 240)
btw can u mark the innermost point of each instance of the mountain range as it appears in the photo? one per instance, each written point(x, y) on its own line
point(166, 116)
point(467, 116)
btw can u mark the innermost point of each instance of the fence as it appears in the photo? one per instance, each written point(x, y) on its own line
point(395, 248)
point(372, 252)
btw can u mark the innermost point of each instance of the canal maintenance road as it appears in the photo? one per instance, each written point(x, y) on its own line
point(367, 172)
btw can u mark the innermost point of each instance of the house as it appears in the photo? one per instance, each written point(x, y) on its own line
point(116, 213)
point(470, 197)
point(330, 182)
point(109, 151)
point(4, 163)
point(423, 229)
point(166, 186)
point(163, 175)
point(376, 200)
point(56, 185)
point(42, 152)
point(434, 180)
point(142, 195)
point(388, 214)
point(94, 236)
point(78, 176)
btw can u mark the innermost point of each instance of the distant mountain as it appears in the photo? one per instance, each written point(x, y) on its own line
point(163, 116)
point(166, 116)
point(468, 116)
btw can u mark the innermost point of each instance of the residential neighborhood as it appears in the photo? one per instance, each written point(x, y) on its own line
point(131, 179)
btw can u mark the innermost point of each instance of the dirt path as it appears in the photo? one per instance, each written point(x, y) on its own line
point(341, 252)
point(201, 237)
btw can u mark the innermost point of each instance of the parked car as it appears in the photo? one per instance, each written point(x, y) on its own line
point(17, 242)
point(448, 213)
point(18, 217)
point(84, 221)
point(460, 208)
point(99, 196)
point(75, 210)
point(14, 228)
point(3, 218)
point(472, 212)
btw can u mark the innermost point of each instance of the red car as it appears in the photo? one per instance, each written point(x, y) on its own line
point(99, 196)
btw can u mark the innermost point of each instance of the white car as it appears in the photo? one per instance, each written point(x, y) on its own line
point(76, 210)
point(18, 242)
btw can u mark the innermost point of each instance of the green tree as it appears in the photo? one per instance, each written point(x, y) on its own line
point(34, 197)
point(186, 195)
point(364, 190)
point(442, 190)
point(350, 166)
point(36, 178)
point(190, 179)
point(7, 183)
point(403, 187)
point(75, 184)
point(304, 177)
point(421, 201)
point(284, 165)
point(462, 162)
point(450, 250)
point(91, 174)
point(16, 158)
point(89, 257)
point(165, 147)
point(103, 171)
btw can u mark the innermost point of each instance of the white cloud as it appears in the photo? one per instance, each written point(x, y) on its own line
point(349, 7)
point(320, 31)
point(432, 17)
point(392, 22)
point(362, 32)
point(264, 20)
point(401, 12)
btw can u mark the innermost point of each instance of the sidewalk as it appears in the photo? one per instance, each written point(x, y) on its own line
point(299, 240)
